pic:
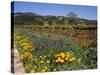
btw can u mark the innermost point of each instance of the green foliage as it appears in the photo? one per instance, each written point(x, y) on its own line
point(72, 18)
point(46, 46)
point(72, 15)
point(90, 57)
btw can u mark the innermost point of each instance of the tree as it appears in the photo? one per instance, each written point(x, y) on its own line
point(72, 18)
point(72, 15)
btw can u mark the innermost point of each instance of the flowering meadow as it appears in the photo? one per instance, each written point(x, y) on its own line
point(50, 37)
point(47, 51)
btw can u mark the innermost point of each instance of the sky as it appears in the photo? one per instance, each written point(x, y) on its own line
point(86, 12)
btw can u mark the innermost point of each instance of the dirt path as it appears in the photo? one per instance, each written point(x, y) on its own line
point(18, 66)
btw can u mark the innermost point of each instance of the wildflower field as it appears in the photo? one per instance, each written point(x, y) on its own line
point(54, 37)
point(47, 50)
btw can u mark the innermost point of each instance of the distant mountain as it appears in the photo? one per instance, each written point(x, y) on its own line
point(27, 13)
point(91, 22)
point(35, 19)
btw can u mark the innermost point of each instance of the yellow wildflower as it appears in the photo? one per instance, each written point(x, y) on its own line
point(58, 55)
point(43, 70)
point(46, 67)
point(31, 49)
point(62, 55)
point(25, 47)
point(35, 59)
point(40, 56)
point(22, 44)
point(41, 61)
point(62, 60)
point(67, 53)
point(35, 66)
point(33, 71)
point(45, 56)
point(48, 61)
point(57, 60)
point(66, 58)
point(72, 59)
point(30, 56)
